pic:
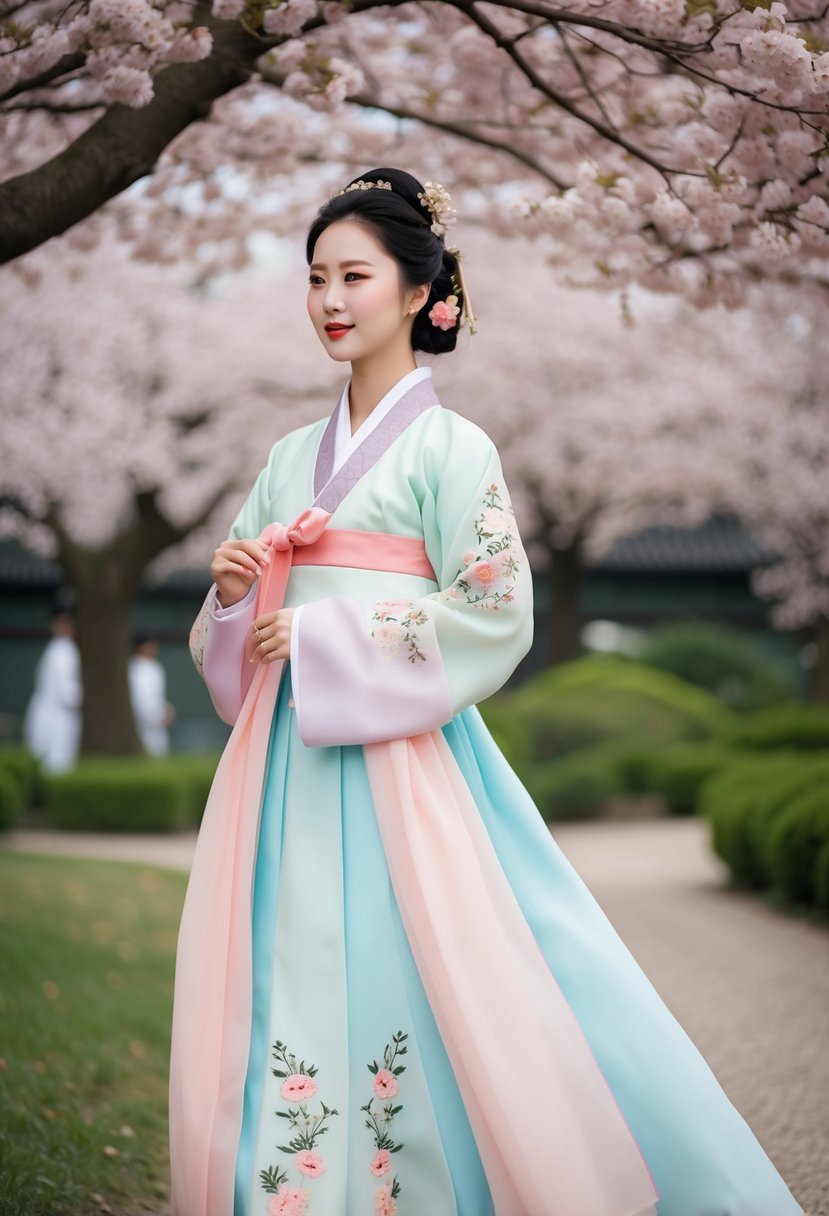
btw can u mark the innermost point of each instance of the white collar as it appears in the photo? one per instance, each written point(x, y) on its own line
point(344, 441)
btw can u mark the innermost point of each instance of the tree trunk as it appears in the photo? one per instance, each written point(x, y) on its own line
point(105, 583)
point(818, 689)
point(564, 624)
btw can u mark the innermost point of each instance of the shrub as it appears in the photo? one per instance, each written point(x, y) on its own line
point(822, 877)
point(574, 786)
point(726, 661)
point(794, 724)
point(603, 697)
point(123, 794)
point(11, 799)
point(795, 840)
point(196, 771)
point(24, 768)
point(507, 731)
point(744, 798)
point(678, 772)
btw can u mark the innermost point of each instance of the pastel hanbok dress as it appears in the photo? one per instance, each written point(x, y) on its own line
point(394, 995)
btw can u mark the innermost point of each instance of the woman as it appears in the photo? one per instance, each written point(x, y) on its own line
point(393, 993)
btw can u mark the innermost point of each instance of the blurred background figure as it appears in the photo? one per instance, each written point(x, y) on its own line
point(148, 692)
point(52, 722)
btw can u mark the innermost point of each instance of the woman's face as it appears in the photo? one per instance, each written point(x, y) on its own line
point(353, 284)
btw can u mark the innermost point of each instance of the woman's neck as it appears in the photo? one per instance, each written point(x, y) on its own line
point(369, 386)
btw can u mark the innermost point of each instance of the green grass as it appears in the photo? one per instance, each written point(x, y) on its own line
point(87, 953)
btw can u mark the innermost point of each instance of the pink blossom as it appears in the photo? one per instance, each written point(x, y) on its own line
point(444, 314)
point(496, 521)
point(389, 636)
point(289, 1202)
point(384, 1205)
point(468, 557)
point(289, 17)
point(392, 607)
point(310, 1163)
point(298, 1086)
point(228, 10)
point(381, 1163)
point(385, 1084)
point(482, 573)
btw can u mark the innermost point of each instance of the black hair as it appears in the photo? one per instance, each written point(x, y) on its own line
point(404, 228)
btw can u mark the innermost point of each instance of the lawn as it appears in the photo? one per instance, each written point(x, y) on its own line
point(87, 954)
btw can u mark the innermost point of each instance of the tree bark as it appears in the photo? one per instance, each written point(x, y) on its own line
point(123, 145)
point(566, 576)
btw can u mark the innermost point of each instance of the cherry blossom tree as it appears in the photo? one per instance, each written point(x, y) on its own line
point(676, 144)
point(607, 424)
point(137, 411)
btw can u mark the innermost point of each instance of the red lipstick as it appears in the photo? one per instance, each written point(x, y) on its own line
point(337, 331)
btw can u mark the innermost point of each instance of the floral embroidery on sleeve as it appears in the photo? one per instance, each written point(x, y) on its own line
point(298, 1085)
point(488, 577)
point(385, 1086)
point(396, 628)
point(198, 633)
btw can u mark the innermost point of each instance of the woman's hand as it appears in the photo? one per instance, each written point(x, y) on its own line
point(235, 565)
point(272, 633)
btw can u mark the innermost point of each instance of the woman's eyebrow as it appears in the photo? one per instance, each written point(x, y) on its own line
point(352, 262)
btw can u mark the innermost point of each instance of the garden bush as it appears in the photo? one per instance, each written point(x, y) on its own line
point(196, 770)
point(725, 661)
point(678, 771)
point(603, 697)
point(573, 786)
point(795, 841)
point(743, 800)
point(822, 877)
point(11, 798)
point(507, 731)
point(794, 724)
point(24, 768)
point(121, 794)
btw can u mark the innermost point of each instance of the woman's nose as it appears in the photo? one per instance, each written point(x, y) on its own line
point(333, 301)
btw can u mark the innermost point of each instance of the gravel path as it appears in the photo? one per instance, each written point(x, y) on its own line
point(749, 983)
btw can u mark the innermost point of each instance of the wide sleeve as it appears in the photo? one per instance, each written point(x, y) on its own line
point(219, 636)
point(366, 672)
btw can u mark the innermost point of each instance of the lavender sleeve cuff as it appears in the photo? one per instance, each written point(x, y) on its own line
point(227, 673)
point(355, 684)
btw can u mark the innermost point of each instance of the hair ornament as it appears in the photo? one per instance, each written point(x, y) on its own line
point(459, 283)
point(362, 185)
point(437, 199)
point(444, 313)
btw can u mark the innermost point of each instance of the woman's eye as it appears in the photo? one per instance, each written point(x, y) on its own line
point(314, 279)
point(354, 274)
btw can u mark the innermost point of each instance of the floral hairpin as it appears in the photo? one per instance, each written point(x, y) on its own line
point(362, 185)
point(437, 199)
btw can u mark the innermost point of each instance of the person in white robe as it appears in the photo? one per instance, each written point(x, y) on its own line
point(52, 722)
point(148, 693)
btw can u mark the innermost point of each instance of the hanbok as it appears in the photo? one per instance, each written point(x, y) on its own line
point(393, 993)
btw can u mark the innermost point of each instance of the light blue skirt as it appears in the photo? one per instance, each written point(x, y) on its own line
point(351, 1107)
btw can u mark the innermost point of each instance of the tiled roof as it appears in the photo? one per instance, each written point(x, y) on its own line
point(722, 545)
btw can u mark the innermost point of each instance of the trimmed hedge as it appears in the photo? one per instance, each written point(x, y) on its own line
point(794, 724)
point(603, 697)
point(12, 802)
point(573, 786)
point(24, 768)
point(754, 828)
point(122, 794)
point(726, 661)
point(678, 772)
point(796, 838)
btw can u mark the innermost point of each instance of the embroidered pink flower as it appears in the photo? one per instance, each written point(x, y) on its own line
point(289, 1202)
point(298, 1087)
point(385, 1084)
point(468, 557)
point(390, 636)
point(310, 1163)
point(444, 314)
point(496, 521)
point(482, 573)
point(384, 1205)
point(381, 1163)
point(392, 607)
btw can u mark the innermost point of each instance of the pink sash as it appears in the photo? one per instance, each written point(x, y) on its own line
point(554, 1143)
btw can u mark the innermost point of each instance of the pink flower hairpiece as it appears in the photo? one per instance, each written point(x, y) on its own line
point(445, 312)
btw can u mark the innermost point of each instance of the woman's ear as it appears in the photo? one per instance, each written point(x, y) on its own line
point(420, 295)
